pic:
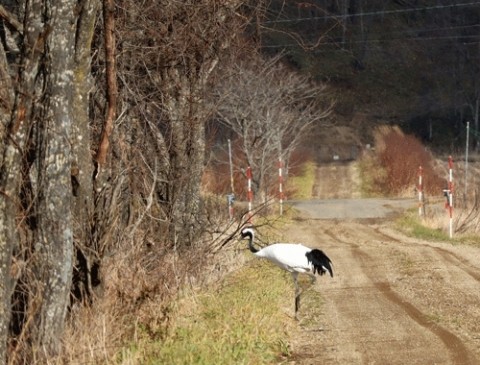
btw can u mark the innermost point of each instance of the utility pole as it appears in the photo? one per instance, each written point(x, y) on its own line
point(466, 163)
point(231, 166)
point(450, 194)
point(420, 192)
point(231, 196)
point(249, 193)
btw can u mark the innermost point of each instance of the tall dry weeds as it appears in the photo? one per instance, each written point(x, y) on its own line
point(397, 158)
point(140, 285)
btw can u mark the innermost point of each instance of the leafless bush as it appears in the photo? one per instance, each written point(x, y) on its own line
point(398, 157)
point(467, 219)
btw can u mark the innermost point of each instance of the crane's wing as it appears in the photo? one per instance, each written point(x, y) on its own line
point(320, 262)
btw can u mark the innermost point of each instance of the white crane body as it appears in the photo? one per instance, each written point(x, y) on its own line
point(288, 256)
point(295, 258)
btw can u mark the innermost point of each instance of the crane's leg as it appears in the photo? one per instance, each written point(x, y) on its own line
point(297, 293)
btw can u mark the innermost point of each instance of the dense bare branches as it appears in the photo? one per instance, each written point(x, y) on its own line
point(59, 220)
point(180, 46)
point(269, 107)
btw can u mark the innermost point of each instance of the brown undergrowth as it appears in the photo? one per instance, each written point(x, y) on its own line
point(392, 167)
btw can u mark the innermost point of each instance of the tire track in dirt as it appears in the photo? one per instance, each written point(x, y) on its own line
point(458, 261)
point(459, 354)
point(447, 255)
point(394, 299)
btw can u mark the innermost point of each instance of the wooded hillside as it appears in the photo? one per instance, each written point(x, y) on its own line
point(413, 63)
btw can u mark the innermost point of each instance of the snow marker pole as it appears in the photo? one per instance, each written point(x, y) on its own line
point(249, 192)
point(231, 196)
point(280, 184)
point(420, 191)
point(450, 194)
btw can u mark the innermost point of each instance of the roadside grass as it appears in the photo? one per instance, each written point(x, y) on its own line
point(246, 317)
point(239, 321)
point(300, 186)
point(432, 228)
point(412, 225)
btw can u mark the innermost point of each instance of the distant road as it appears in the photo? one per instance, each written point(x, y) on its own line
point(352, 208)
point(336, 194)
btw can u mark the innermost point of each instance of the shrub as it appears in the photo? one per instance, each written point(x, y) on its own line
point(398, 157)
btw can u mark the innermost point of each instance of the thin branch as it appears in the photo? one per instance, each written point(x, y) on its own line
point(149, 199)
point(11, 19)
point(112, 89)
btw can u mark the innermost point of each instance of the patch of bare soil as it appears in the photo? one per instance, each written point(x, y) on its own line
point(336, 180)
point(393, 299)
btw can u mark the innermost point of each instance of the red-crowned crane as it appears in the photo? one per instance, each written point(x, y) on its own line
point(294, 258)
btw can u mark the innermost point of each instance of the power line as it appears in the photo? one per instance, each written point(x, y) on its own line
point(438, 29)
point(371, 13)
point(315, 44)
point(342, 43)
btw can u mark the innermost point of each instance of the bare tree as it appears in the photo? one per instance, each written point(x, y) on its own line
point(82, 164)
point(45, 49)
point(270, 108)
point(181, 44)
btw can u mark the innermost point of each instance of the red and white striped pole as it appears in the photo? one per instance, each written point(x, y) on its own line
point(450, 193)
point(249, 192)
point(420, 191)
point(280, 184)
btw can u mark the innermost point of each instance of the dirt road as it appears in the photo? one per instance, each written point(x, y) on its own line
point(393, 300)
point(337, 180)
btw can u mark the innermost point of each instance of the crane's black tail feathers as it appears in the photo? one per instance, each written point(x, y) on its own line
point(320, 261)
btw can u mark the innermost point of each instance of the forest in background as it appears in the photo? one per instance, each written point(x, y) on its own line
point(411, 63)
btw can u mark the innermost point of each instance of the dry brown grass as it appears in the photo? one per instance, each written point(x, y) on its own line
point(393, 165)
point(136, 304)
point(466, 211)
point(140, 284)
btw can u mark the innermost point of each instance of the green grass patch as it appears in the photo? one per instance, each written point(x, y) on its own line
point(240, 322)
point(370, 173)
point(469, 239)
point(412, 225)
point(301, 185)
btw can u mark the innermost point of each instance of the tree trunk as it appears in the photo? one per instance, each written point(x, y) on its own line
point(82, 166)
point(54, 244)
point(6, 219)
point(16, 113)
point(187, 153)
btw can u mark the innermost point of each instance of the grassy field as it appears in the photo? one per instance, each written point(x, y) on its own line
point(237, 321)
point(434, 228)
point(245, 318)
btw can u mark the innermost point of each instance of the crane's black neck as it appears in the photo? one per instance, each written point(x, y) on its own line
point(249, 235)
